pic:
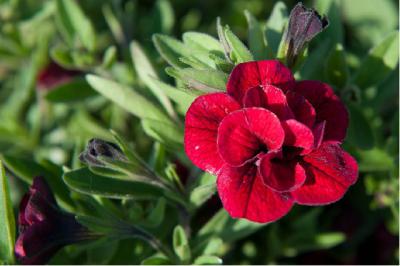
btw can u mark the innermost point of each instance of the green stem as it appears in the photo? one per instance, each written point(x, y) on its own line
point(155, 243)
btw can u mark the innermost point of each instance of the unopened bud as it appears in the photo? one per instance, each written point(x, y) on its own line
point(304, 25)
point(98, 147)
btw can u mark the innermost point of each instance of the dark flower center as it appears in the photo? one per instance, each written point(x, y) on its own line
point(288, 153)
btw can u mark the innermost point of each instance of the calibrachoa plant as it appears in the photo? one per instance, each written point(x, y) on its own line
point(200, 150)
point(272, 142)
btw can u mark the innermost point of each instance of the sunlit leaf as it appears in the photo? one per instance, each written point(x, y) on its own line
point(7, 221)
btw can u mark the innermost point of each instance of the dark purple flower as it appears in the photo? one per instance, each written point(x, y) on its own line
point(53, 75)
point(304, 25)
point(43, 227)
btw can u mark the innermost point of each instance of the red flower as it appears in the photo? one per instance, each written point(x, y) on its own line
point(272, 142)
point(53, 75)
point(43, 227)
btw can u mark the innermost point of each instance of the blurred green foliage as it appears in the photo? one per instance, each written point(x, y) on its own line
point(130, 91)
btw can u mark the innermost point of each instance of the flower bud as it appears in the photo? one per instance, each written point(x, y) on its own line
point(304, 25)
point(43, 227)
point(98, 147)
point(53, 75)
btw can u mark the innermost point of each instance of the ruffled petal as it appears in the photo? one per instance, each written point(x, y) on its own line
point(251, 74)
point(245, 133)
point(201, 127)
point(36, 245)
point(319, 131)
point(22, 221)
point(244, 195)
point(328, 108)
point(40, 186)
point(298, 135)
point(269, 97)
point(281, 175)
point(301, 108)
point(330, 171)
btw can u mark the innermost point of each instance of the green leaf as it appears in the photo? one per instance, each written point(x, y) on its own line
point(84, 127)
point(146, 73)
point(239, 53)
point(74, 19)
point(194, 62)
point(171, 49)
point(73, 91)
point(379, 63)
point(223, 41)
point(113, 23)
point(375, 160)
point(109, 57)
point(201, 41)
point(360, 131)
point(156, 260)
point(299, 243)
point(103, 225)
point(204, 189)
point(256, 40)
point(102, 253)
point(180, 96)
point(208, 260)
point(328, 240)
point(7, 228)
point(84, 181)
point(23, 91)
point(311, 68)
point(202, 80)
point(336, 69)
point(224, 227)
point(181, 244)
point(62, 57)
point(166, 133)
point(26, 170)
point(126, 98)
point(275, 25)
point(164, 16)
point(213, 246)
point(157, 214)
point(369, 22)
point(221, 62)
point(333, 10)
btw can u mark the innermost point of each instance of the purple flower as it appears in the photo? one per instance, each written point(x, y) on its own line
point(304, 25)
point(43, 227)
point(53, 75)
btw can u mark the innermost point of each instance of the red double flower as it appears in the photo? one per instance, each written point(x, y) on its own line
point(271, 141)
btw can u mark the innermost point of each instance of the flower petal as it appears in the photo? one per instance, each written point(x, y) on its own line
point(36, 245)
point(301, 108)
point(298, 135)
point(40, 186)
point(251, 74)
point(281, 175)
point(330, 171)
point(40, 204)
point(22, 222)
point(244, 133)
point(244, 195)
point(201, 127)
point(327, 106)
point(319, 131)
point(269, 97)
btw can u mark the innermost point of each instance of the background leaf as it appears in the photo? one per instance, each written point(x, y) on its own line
point(75, 21)
point(76, 90)
point(84, 181)
point(7, 228)
point(380, 61)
